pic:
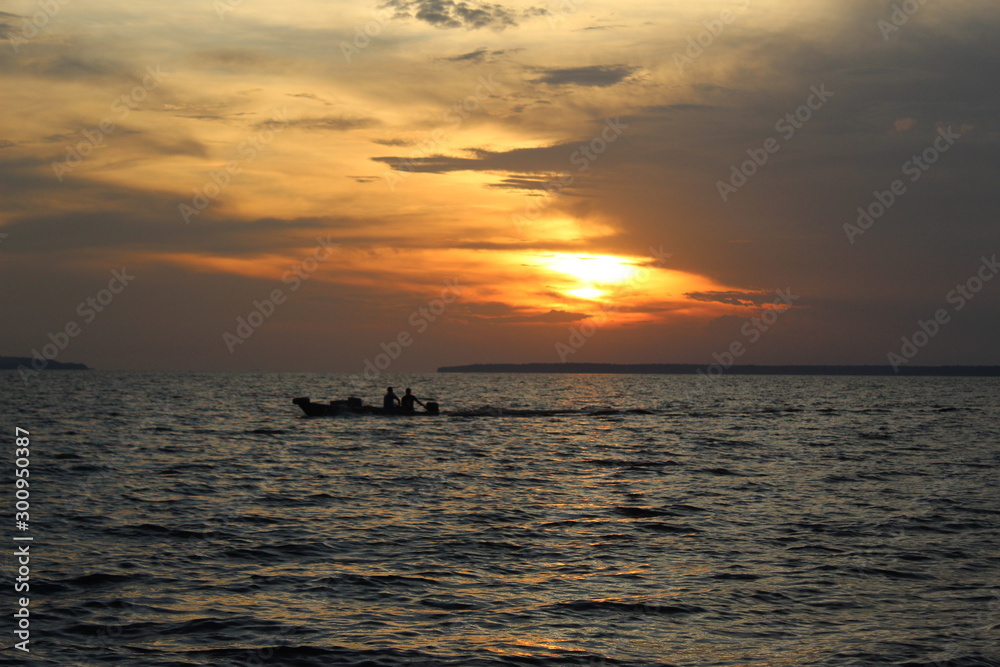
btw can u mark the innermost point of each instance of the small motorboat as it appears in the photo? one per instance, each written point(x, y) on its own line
point(354, 406)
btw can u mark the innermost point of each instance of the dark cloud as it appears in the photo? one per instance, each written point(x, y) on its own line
point(76, 67)
point(555, 159)
point(151, 143)
point(310, 96)
point(393, 142)
point(7, 27)
point(600, 76)
point(495, 312)
point(230, 57)
point(434, 164)
point(734, 298)
point(334, 123)
point(70, 62)
point(551, 317)
point(560, 170)
point(215, 116)
point(459, 14)
point(524, 183)
point(486, 308)
point(160, 230)
point(668, 108)
point(479, 55)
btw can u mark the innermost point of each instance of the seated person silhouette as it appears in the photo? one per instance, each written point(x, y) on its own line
point(406, 403)
point(390, 401)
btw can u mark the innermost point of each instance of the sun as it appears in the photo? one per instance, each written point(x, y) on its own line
point(586, 293)
point(589, 276)
point(595, 269)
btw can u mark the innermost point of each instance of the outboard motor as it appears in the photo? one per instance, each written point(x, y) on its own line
point(432, 407)
point(353, 402)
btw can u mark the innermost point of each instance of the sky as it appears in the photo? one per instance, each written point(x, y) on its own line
point(402, 185)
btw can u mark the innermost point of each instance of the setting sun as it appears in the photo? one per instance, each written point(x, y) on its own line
point(602, 269)
point(586, 293)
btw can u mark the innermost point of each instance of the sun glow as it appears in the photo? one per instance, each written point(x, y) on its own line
point(598, 269)
point(586, 293)
point(588, 276)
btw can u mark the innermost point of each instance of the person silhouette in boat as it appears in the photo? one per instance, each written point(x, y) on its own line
point(407, 401)
point(390, 401)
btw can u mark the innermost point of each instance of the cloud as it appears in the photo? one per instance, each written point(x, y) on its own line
point(156, 230)
point(334, 123)
point(600, 76)
point(452, 14)
point(524, 183)
point(310, 96)
point(551, 317)
point(668, 108)
point(479, 55)
point(73, 67)
point(6, 24)
point(753, 298)
point(496, 312)
point(393, 142)
point(212, 116)
point(656, 184)
point(539, 160)
point(231, 57)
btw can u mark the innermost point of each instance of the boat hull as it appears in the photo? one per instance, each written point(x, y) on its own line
point(353, 406)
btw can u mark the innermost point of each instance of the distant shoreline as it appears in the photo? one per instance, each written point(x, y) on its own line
point(692, 369)
point(13, 363)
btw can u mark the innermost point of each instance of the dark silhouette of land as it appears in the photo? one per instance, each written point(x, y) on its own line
point(690, 369)
point(12, 363)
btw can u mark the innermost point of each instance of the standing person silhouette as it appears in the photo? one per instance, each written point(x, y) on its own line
point(390, 401)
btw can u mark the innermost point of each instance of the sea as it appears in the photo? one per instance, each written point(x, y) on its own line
point(201, 519)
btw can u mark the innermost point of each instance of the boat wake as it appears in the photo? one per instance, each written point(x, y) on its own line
point(499, 411)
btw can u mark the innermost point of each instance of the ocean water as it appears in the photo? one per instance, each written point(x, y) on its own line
point(198, 519)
